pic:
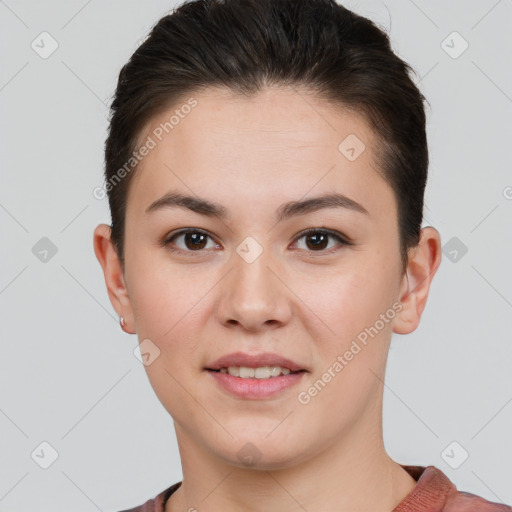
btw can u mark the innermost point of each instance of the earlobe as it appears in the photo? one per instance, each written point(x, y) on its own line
point(113, 274)
point(424, 260)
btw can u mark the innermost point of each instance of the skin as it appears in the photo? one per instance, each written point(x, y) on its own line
point(251, 155)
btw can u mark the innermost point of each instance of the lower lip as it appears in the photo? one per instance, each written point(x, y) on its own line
point(255, 388)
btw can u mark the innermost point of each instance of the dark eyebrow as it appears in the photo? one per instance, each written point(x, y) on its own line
point(285, 211)
point(333, 200)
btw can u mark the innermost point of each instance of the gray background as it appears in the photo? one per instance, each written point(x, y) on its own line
point(68, 375)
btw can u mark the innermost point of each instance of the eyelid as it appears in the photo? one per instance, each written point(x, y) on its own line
point(172, 236)
point(326, 231)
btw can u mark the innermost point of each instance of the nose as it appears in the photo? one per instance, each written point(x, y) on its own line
point(254, 294)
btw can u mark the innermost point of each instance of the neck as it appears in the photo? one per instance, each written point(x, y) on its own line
point(353, 473)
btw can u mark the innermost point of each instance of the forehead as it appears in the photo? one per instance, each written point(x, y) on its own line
point(279, 144)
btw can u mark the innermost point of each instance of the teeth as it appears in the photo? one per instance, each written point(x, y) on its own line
point(263, 372)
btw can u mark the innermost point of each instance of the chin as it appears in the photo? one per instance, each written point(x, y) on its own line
point(262, 451)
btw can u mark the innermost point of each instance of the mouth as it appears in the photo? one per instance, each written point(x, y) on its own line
point(262, 365)
point(261, 372)
point(255, 383)
point(255, 376)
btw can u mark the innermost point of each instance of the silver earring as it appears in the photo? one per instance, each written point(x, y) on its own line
point(122, 322)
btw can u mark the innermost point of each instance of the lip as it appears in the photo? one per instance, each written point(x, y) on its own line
point(253, 388)
point(255, 361)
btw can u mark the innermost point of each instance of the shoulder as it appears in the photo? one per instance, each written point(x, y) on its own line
point(156, 504)
point(461, 501)
point(149, 506)
point(434, 491)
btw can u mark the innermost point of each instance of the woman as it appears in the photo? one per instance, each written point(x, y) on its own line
point(266, 165)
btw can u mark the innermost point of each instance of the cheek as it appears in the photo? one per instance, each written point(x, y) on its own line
point(163, 296)
point(349, 300)
point(350, 306)
point(167, 305)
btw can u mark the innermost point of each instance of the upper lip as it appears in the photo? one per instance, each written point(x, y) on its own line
point(254, 361)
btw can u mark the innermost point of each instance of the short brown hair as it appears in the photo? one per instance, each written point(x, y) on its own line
point(245, 45)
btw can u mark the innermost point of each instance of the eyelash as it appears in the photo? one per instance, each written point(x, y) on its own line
point(344, 241)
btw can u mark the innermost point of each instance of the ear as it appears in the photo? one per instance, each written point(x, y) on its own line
point(424, 260)
point(113, 272)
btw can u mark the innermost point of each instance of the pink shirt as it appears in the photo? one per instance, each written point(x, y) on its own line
point(433, 493)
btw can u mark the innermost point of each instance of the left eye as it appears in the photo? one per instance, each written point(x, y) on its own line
point(319, 237)
point(195, 240)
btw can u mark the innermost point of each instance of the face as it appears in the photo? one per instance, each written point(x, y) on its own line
point(251, 281)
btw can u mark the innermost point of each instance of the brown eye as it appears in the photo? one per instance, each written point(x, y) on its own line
point(194, 240)
point(317, 240)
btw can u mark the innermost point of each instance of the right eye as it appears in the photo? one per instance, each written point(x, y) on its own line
point(193, 239)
